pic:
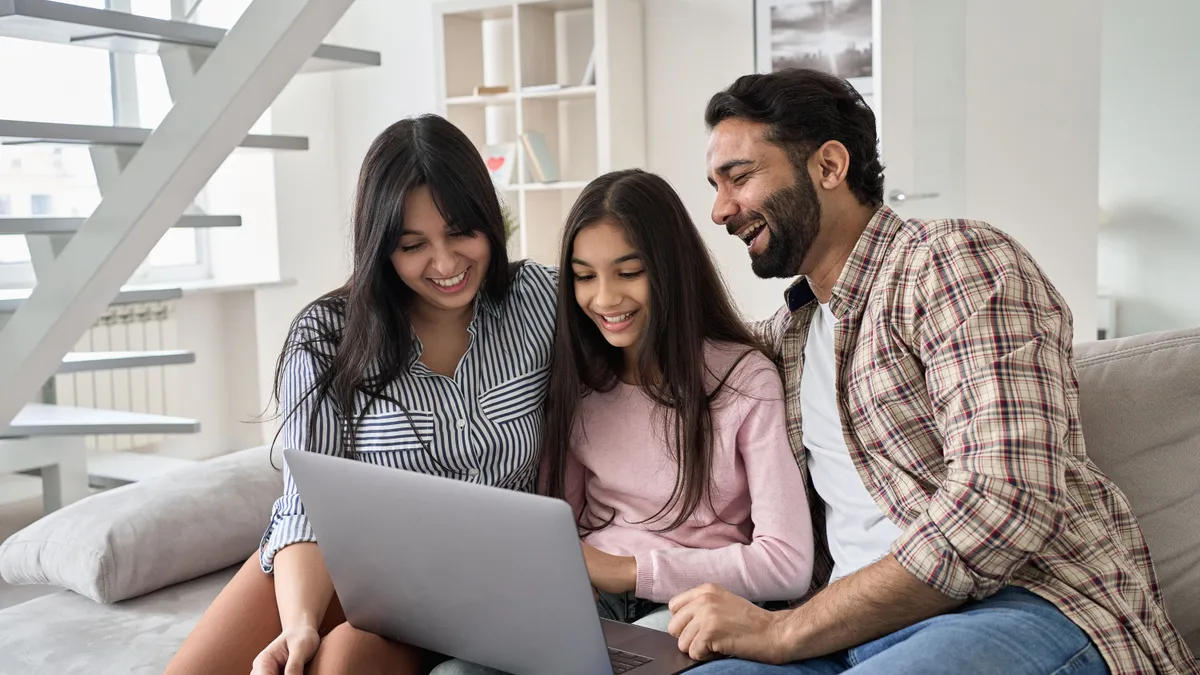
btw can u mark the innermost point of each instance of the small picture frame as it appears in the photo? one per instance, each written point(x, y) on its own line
point(833, 36)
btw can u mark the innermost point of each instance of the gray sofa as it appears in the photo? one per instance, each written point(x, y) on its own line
point(144, 561)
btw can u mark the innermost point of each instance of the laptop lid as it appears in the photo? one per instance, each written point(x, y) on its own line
point(484, 574)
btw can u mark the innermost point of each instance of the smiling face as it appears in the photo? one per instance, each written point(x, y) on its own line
point(611, 284)
point(444, 266)
point(762, 198)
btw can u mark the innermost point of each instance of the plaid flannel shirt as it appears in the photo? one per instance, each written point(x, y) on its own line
point(959, 404)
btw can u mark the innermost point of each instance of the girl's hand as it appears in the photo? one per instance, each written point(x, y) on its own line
point(610, 573)
point(288, 653)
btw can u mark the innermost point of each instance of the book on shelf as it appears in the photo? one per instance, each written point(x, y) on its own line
point(491, 90)
point(500, 158)
point(539, 158)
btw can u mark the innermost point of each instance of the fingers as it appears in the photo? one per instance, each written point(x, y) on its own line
point(265, 665)
point(695, 641)
point(690, 596)
point(295, 665)
point(679, 620)
point(687, 633)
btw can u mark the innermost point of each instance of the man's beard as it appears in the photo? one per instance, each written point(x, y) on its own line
point(793, 218)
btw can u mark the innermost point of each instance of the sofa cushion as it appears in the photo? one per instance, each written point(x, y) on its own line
point(1140, 404)
point(66, 634)
point(141, 537)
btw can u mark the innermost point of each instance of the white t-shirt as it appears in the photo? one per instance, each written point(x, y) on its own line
point(858, 531)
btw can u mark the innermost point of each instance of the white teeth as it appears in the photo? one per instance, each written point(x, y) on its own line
point(748, 234)
point(618, 319)
point(451, 282)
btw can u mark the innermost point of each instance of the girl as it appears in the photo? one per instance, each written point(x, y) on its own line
point(409, 364)
point(665, 423)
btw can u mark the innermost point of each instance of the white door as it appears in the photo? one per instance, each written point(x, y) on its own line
point(989, 110)
point(920, 75)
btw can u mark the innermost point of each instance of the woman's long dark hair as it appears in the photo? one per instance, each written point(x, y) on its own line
point(359, 336)
point(689, 305)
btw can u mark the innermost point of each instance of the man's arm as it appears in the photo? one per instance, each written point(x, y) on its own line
point(879, 599)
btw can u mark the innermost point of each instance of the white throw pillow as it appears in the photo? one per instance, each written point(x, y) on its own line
point(141, 537)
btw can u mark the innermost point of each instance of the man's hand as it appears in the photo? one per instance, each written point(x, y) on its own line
point(710, 621)
point(610, 573)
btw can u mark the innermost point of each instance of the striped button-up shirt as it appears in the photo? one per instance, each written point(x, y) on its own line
point(483, 425)
point(959, 403)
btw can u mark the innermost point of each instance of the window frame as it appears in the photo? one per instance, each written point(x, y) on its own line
point(123, 78)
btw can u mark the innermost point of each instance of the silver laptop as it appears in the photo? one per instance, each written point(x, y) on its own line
point(484, 574)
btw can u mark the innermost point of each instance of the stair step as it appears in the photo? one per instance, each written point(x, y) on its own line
point(11, 299)
point(114, 469)
point(46, 225)
point(81, 362)
point(42, 419)
point(16, 132)
point(59, 22)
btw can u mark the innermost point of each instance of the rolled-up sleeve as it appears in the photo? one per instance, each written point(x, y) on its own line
point(995, 341)
point(307, 425)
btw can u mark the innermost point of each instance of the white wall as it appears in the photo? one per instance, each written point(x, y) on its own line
point(695, 48)
point(219, 389)
point(994, 106)
point(1033, 92)
point(1149, 140)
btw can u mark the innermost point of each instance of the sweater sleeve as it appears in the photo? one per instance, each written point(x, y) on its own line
point(777, 563)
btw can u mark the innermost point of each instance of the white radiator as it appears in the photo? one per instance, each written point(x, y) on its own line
point(154, 389)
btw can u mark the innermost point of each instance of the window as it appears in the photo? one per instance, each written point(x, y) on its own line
point(89, 86)
point(73, 85)
point(41, 205)
point(5, 205)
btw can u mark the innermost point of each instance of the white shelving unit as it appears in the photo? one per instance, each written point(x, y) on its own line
point(525, 45)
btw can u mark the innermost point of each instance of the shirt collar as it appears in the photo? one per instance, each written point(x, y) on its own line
point(850, 291)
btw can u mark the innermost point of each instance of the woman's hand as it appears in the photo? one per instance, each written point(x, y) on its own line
point(288, 653)
point(610, 573)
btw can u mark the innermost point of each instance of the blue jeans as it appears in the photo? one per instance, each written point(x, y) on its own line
point(1014, 632)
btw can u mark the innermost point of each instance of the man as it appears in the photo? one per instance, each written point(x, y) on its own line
point(933, 401)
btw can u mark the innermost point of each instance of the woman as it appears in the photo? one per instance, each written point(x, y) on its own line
point(665, 423)
point(406, 365)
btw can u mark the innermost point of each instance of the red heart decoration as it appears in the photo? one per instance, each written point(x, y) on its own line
point(494, 163)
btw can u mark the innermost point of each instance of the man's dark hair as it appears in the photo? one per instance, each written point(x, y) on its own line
point(804, 109)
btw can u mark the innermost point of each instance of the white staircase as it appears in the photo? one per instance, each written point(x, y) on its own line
point(50, 225)
point(221, 82)
point(21, 131)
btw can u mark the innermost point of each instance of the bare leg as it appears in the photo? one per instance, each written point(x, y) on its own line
point(349, 650)
point(238, 625)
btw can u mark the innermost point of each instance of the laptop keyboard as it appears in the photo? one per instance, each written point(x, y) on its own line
point(623, 662)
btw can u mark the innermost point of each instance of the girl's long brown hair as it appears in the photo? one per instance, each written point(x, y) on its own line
point(689, 305)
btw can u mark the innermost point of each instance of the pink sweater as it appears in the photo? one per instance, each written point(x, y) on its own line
point(764, 548)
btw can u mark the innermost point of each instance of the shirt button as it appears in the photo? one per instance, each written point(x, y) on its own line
point(462, 424)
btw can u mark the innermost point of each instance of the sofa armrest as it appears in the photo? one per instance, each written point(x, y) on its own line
point(145, 536)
